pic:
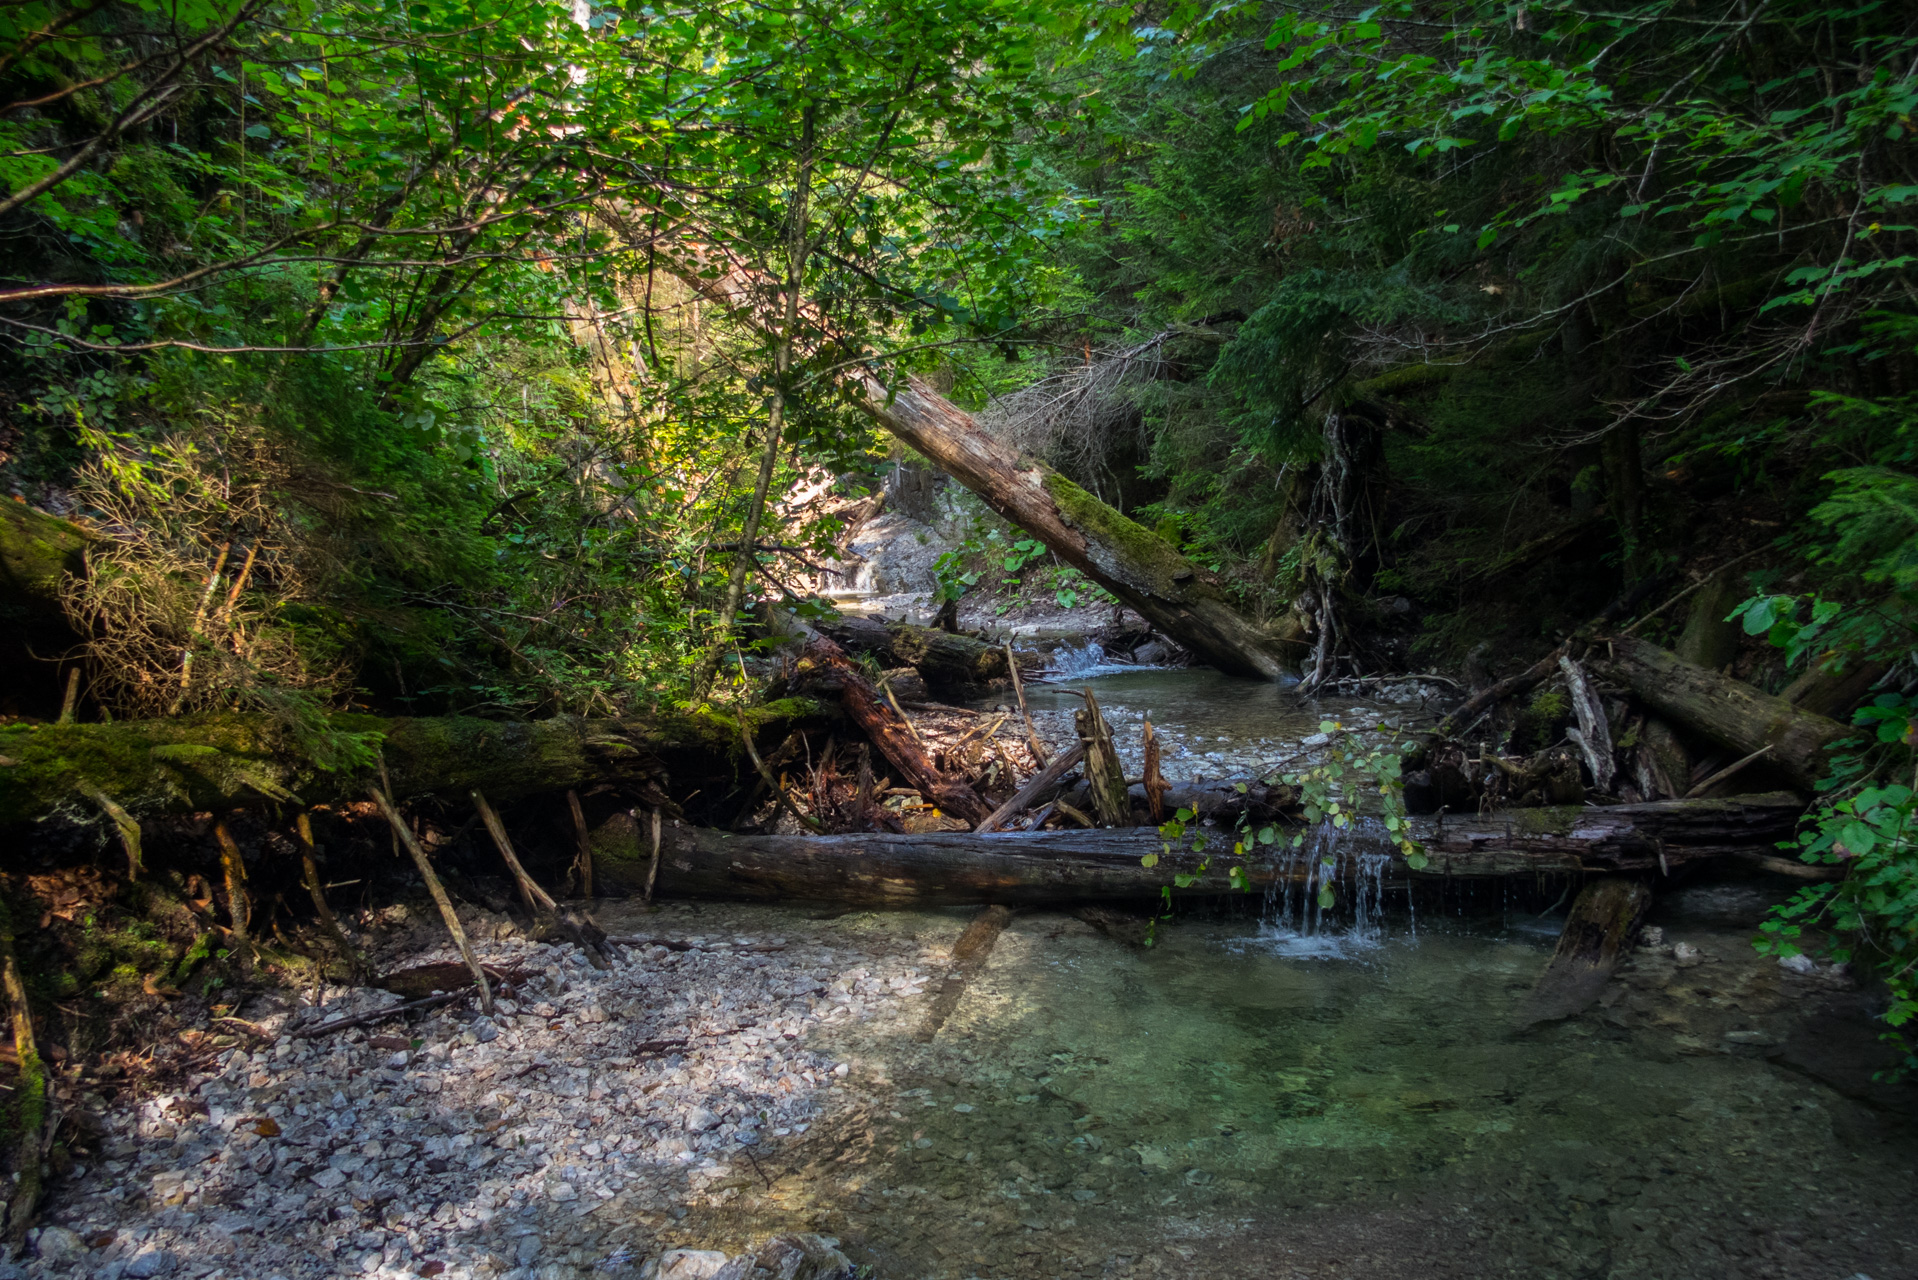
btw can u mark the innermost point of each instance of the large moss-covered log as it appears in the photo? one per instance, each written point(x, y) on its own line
point(959, 867)
point(193, 763)
point(945, 660)
point(1142, 569)
point(1729, 712)
point(38, 552)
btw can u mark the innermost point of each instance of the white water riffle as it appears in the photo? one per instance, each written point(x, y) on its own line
point(1353, 861)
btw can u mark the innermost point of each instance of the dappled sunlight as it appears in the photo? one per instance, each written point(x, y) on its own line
point(571, 1131)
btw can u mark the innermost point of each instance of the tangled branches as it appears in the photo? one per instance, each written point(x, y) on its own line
point(184, 598)
point(1080, 416)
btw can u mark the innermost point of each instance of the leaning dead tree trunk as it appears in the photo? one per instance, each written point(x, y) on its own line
point(1136, 565)
point(1104, 776)
point(1730, 712)
point(1078, 866)
point(1133, 563)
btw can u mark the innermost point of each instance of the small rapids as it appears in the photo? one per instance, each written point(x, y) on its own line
point(1086, 661)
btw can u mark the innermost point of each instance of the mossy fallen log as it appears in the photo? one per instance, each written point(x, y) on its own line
point(956, 868)
point(206, 762)
point(38, 552)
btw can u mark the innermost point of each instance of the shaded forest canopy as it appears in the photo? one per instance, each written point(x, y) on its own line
point(457, 359)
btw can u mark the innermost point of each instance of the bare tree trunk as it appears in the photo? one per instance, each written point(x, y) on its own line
point(1067, 866)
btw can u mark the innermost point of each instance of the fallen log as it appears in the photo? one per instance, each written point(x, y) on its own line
point(1729, 712)
point(944, 661)
point(1135, 564)
point(38, 553)
point(1033, 791)
point(1143, 570)
point(196, 763)
point(952, 868)
point(824, 666)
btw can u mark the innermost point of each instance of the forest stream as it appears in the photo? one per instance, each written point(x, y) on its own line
point(958, 640)
point(1270, 1090)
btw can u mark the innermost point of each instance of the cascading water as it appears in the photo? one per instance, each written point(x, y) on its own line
point(1351, 861)
point(1083, 662)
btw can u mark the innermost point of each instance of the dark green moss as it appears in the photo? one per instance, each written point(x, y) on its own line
point(1139, 555)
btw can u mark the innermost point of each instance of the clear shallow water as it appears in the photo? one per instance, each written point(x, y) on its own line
point(1198, 700)
point(1212, 726)
point(1253, 1100)
point(1291, 1092)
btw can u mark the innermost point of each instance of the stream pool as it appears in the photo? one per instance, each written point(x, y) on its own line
point(1227, 1104)
point(1250, 1098)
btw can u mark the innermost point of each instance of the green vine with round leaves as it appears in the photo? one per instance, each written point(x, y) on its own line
point(1349, 764)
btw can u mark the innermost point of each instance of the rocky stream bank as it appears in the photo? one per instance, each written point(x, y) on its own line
point(1219, 1107)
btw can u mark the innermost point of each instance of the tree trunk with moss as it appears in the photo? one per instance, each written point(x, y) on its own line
point(38, 552)
point(209, 762)
point(1136, 565)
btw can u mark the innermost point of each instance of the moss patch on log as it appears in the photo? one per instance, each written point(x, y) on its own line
point(1144, 559)
point(225, 760)
point(37, 551)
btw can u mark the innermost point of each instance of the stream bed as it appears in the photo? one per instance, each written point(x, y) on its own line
point(1229, 1103)
point(1272, 1092)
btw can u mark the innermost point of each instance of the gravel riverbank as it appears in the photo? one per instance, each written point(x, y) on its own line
point(567, 1134)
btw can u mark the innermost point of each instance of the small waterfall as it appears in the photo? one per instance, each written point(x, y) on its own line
point(1079, 662)
point(1069, 663)
point(1352, 862)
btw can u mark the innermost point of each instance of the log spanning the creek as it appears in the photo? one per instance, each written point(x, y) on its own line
point(955, 868)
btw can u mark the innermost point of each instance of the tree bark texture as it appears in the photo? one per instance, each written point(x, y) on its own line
point(1598, 931)
point(1104, 775)
point(1077, 866)
point(1729, 712)
point(208, 762)
point(943, 660)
